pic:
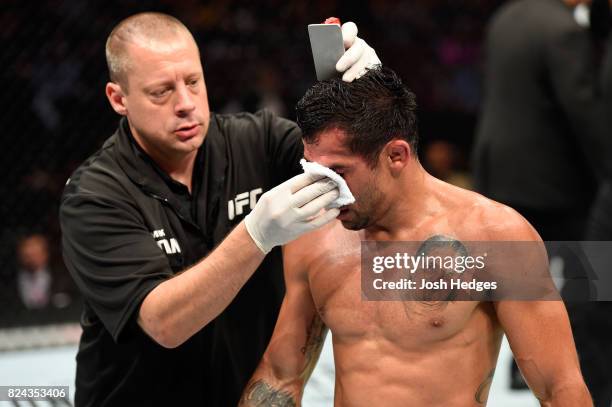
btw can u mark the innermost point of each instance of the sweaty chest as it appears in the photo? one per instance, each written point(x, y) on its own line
point(337, 293)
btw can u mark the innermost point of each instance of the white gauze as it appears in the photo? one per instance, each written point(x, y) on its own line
point(345, 197)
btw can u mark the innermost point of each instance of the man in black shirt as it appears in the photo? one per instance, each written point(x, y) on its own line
point(180, 297)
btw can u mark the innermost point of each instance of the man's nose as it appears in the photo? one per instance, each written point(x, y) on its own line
point(184, 103)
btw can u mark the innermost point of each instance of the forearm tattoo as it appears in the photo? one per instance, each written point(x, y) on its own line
point(262, 394)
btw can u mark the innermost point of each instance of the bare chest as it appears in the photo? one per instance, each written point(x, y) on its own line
point(337, 293)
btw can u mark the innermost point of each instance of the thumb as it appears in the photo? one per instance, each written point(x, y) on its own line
point(349, 33)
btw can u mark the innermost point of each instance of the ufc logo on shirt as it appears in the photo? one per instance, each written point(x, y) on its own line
point(235, 207)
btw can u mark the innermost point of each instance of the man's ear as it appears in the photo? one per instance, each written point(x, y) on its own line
point(116, 97)
point(397, 153)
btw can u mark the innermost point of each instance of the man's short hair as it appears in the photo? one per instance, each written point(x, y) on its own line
point(148, 29)
point(371, 110)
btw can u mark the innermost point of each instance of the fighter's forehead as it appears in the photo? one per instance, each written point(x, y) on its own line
point(329, 149)
point(329, 142)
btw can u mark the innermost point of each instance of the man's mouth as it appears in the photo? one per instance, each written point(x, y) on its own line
point(188, 131)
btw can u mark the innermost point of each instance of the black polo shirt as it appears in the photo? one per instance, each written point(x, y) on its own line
point(128, 227)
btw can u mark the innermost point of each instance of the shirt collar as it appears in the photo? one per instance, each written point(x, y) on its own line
point(209, 168)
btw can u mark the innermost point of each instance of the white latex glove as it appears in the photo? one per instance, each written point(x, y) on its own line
point(291, 209)
point(358, 56)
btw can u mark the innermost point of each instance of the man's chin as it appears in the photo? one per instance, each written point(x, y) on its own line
point(189, 145)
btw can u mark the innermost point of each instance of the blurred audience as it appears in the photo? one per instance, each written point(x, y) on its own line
point(442, 160)
point(33, 275)
point(38, 286)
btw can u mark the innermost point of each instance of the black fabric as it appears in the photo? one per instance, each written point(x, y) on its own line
point(600, 225)
point(127, 227)
point(600, 222)
point(541, 131)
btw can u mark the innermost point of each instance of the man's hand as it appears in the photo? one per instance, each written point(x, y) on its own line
point(290, 210)
point(359, 56)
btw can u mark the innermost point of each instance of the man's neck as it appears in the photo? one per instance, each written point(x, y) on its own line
point(180, 170)
point(412, 202)
point(179, 167)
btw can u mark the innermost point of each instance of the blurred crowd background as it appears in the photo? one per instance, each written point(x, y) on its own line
point(256, 54)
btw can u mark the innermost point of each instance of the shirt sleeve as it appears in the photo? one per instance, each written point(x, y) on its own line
point(284, 145)
point(112, 257)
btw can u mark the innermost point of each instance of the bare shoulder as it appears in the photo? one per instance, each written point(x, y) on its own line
point(486, 219)
point(512, 244)
point(320, 244)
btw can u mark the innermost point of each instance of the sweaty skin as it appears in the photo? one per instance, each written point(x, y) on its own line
point(407, 353)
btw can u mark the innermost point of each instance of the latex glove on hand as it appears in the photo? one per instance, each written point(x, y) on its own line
point(291, 209)
point(358, 57)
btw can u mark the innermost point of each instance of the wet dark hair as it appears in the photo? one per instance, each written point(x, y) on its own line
point(371, 110)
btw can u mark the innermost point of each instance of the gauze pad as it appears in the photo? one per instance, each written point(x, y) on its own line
point(345, 197)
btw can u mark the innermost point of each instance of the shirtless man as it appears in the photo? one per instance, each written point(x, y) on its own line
point(400, 353)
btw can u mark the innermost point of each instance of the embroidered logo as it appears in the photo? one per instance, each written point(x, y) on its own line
point(235, 207)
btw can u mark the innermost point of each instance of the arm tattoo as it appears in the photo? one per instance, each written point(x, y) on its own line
point(261, 394)
point(315, 335)
point(483, 390)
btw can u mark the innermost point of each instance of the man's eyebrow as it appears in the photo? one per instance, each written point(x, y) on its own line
point(157, 84)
